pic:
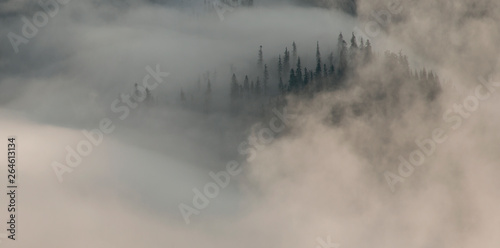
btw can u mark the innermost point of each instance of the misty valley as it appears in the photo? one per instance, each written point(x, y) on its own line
point(249, 123)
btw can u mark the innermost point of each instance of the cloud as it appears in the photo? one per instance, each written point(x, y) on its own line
point(320, 178)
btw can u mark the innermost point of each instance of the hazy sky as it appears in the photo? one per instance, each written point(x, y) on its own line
point(314, 181)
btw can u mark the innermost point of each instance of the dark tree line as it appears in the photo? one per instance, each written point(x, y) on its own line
point(332, 75)
point(340, 69)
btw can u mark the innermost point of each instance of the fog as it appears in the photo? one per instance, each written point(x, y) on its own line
point(318, 178)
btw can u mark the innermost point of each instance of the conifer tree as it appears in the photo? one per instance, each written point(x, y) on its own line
point(258, 88)
point(306, 77)
point(281, 86)
point(403, 61)
point(342, 63)
point(318, 84)
point(234, 89)
point(354, 43)
point(294, 51)
point(330, 58)
point(318, 61)
point(280, 66)
point(246, 86)
point(286, 60)
point(340, 44)
point(353, 50)
point(298, 74)
point(261, 58)
point(368, 52)
point(266, 80)
point(292, 83)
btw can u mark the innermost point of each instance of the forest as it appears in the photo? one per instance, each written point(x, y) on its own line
point(391, 82)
